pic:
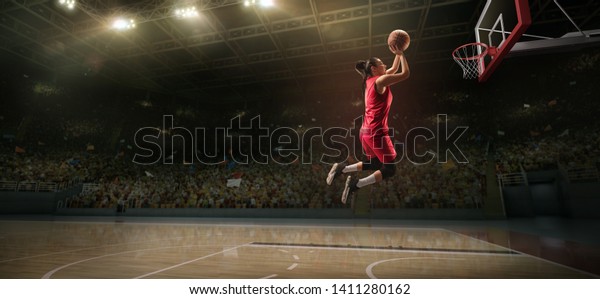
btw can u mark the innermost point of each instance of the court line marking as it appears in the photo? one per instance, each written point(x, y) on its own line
point(190, 261)
point(53, 271)
point(50, 273)
point(369, 269)
point(479, 240)
point(531, 256)
point(384, 248)
point(85, 248)
point(381, 250)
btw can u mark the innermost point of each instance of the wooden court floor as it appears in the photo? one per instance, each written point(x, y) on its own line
point(114, 247)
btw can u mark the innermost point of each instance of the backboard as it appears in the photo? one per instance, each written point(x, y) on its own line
point(500, 32)
point(501, 25)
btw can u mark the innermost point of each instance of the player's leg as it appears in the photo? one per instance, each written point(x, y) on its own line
point(367, 142)
point(385, 155)
point(352, 184)
point(338, 168)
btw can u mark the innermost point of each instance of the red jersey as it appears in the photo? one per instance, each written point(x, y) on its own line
point(377, 107)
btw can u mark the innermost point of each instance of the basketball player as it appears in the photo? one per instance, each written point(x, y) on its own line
point(374, 133)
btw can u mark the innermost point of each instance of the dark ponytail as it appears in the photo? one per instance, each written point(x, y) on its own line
point(363, 67)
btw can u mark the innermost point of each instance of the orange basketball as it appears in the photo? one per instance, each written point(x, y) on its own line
point(399, 38)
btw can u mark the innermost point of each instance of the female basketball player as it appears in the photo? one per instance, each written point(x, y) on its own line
point(374, 133)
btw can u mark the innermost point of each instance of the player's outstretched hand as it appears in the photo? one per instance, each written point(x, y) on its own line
point(396, 50)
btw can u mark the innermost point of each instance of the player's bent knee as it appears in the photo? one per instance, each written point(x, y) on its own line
point(372, 164)
point(388, 170)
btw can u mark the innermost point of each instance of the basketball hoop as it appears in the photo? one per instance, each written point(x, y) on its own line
point(470, 58)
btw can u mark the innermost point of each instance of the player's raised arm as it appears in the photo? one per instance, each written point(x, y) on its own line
point(393, 78)
point(394, 68)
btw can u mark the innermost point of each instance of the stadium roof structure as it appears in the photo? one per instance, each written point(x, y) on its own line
point(233, 51)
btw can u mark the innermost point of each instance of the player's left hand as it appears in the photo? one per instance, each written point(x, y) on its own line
point(395, 50)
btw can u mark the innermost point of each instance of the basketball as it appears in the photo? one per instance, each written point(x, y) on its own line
point(399, 38)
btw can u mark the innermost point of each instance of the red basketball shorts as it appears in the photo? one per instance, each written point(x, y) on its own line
point(380, 146)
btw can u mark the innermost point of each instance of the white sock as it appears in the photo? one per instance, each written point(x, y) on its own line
point(350, 168)
point(366, 181)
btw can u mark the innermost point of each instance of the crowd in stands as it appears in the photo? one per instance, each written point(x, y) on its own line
point(576, 150)
point(292, 185)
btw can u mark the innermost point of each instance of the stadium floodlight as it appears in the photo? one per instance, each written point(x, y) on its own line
point(122, 24)
point(263, 3)
point(266, 3)
point(189, 12)
point(70, 4)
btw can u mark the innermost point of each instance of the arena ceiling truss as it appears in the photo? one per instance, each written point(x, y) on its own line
point(235, 52)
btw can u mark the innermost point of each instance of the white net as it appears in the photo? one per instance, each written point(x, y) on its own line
point(470, 58)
